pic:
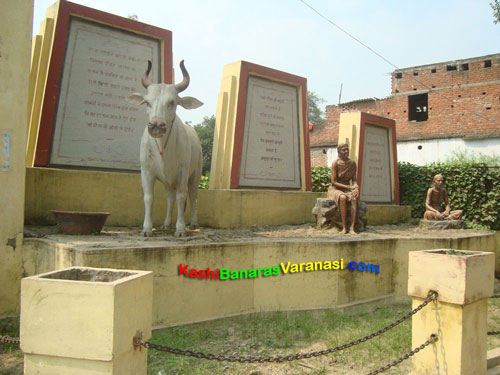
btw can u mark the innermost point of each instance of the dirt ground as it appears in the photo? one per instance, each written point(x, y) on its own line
point(131, 237)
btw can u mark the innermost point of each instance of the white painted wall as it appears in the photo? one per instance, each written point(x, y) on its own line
point(435, 150)
point(438, 150)
point(331, 155)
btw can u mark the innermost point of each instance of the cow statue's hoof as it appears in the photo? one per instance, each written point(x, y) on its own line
point(180, 234)
point(193, 226)
point(165, 227)
point(147, 233)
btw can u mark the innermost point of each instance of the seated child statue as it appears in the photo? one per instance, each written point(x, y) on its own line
point(436, 196)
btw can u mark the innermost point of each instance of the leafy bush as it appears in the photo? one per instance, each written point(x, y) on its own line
point(205, 179)
point(472, 187)
point(320, 178)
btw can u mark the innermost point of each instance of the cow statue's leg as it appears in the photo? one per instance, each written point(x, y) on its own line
point(148, 181)
point(170, 207)
point(193, 196)
point(180, 226)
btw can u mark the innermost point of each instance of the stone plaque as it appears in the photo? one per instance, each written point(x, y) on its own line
point(270, 154)
point(376, 183)
point(95, 126)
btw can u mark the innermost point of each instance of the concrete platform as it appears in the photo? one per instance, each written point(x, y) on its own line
point(180, 299)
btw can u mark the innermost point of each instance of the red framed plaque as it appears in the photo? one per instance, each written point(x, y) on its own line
point(97, 60)
point(271, 138)
point(377, 160)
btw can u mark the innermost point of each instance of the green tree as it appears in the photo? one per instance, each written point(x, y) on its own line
point(495, 5)
point(315, 113)
point(205, 132)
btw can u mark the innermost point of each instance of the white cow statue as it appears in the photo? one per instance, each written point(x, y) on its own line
point(170, 151)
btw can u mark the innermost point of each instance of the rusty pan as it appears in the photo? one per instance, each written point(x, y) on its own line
point(77, 222)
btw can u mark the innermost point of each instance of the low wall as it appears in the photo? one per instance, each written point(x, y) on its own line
point(121, 194)
point(497, 254)
point(180, 299)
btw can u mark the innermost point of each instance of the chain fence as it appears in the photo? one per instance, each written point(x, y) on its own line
point(432, 339)
point(9, 340)
point(138, 343)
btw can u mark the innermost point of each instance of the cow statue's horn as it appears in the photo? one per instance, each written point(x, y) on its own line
point(181, 86)
point(145, 78)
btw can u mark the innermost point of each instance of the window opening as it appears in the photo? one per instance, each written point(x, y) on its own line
point(451, 67)
point(487, 64)
point(464, 67)
point(433, 70)
point(399, 75)
point(417, 107)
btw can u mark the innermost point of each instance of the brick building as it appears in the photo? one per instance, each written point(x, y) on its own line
point(438, 108)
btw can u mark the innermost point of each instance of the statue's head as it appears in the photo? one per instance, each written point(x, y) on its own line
point(343, 151)
point(162, 100)
point(438, 180)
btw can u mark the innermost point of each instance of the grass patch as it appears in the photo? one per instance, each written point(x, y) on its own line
point(11, 358)
point(9, 327)
point(274, 334)
point(493, 322)
point(283, 333)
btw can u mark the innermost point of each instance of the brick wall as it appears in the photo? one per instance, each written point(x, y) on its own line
point(438, 75)
point(318, 157)
point(460, 103)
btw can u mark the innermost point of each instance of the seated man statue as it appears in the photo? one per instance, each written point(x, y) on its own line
point(341, 191)
point(436, 196)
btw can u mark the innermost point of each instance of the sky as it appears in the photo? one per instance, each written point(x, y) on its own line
point(287, 35)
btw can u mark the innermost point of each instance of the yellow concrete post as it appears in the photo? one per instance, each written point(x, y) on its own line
point(15, 48)
point(464, 281)
point(81, 321)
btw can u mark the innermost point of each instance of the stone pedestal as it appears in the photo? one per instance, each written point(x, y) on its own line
point(464, 281)
point(328, 215)
point(441, 224)
point(81, 321)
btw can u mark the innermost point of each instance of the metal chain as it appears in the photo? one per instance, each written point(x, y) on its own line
point(431, 340)
point(137, 342)
point(9, 340)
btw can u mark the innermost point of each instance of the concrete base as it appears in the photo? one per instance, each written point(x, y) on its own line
point(81, 321)
point(493, 371)
point(493, 358)
point(180, 299)
point(441, 224)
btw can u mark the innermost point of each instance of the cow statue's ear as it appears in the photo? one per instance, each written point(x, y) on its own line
point(188, 102)
point(136, 99)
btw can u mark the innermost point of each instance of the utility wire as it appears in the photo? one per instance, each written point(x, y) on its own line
point(382, 57)
point(347, 33)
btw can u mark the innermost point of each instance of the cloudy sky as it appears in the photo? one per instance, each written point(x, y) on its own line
point(287, 35)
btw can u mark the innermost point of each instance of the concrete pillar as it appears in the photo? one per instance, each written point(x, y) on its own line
point(16, 20)
point(464, 280)
point(81, 321)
